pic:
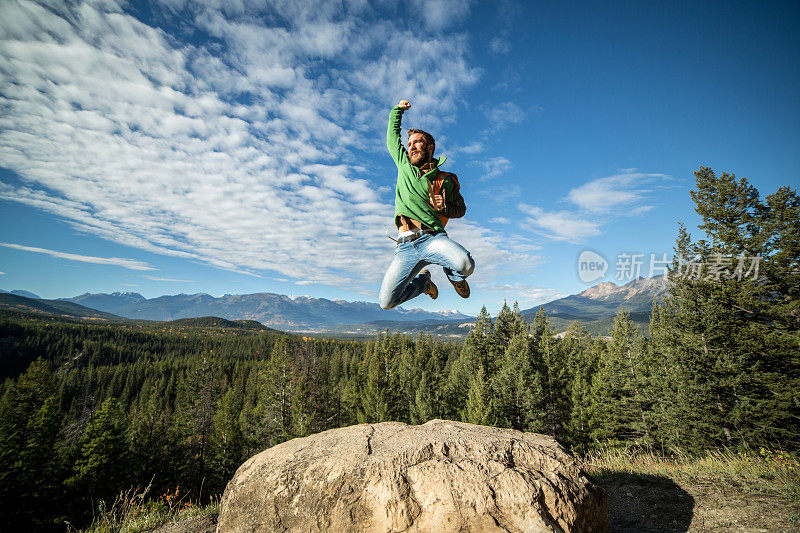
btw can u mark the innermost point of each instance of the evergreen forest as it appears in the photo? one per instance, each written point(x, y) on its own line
point(89, 408)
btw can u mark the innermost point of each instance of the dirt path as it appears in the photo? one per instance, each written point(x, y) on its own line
point(654, 504)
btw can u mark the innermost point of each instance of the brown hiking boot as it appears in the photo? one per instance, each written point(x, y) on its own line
point(431, 289)
point(461, 287)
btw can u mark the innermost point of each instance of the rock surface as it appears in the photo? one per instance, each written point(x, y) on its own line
point(441, 476)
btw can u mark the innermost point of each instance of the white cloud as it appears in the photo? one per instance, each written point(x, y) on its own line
point(524, 294)
point(499, 220)
point(493, 167)
point(470, 149)
point(116, 261)
point(502, 194)
point(473, 148)
point(503, 114)
point(499, 45)
point(508, 10)
point(641, 210)
point(620, 191)
point(559, 225)
point(156, 278)
point(439, 14)
point(244, 153)
point(598, 201)
point(496, 254)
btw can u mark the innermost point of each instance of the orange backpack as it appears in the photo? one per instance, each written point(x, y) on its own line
point(435, 186)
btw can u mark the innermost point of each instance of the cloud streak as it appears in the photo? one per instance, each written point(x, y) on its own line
point(596, 202)
point(559, 225)
point(493, 167)
point(526, 295)
point(502, 115)
point(612, 193)
point(131, 264)
point(156, 278)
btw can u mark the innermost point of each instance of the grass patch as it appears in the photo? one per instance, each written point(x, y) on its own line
point(763, 471)
point(134, 512)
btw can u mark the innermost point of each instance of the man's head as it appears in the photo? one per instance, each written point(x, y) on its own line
point(420, 147)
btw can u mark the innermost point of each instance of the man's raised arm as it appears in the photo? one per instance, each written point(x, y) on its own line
point(393, 141)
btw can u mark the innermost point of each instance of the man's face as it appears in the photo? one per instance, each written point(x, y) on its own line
point(418, 149)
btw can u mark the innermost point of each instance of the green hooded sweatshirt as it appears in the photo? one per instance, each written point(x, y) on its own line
point(412, 193)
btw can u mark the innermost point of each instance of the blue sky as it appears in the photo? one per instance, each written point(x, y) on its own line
point(238, 147)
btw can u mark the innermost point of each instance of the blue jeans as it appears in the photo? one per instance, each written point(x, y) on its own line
point(402, 282)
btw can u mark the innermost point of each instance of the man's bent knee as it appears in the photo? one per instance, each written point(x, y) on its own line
point(467, 267)
point(385, 301)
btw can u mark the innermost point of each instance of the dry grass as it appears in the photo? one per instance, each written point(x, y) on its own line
point(133, 512)
point(764, 471)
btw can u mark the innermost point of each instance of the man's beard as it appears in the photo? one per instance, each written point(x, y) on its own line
point(418, 158)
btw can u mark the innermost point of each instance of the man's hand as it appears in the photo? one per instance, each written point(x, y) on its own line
point(437, 201)
point(404, 105)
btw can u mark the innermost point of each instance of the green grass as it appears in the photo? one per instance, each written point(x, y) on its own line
point(763, 471)
point(133, 512)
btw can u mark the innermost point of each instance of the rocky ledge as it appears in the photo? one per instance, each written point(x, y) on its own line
point(441, 476)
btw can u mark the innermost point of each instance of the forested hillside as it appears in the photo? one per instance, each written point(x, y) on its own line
point(87, 410)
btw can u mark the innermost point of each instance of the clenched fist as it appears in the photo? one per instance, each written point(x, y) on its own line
point(437, 201)
point(404, 105)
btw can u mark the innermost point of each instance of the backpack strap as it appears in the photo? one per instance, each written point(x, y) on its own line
point(435, 187)
point(455, 180)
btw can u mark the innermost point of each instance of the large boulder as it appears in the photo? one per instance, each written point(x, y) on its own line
point(438, 477)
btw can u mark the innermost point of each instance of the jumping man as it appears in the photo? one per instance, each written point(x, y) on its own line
point(425, 198)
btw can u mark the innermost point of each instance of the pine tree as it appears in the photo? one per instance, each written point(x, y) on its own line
point(196, 401)
point(672, 397)
point(30, 420)
point(781, 270)
point(302, 412)
point(725, 333)
point(275, 396)
point(477, 353)
point(377, 393)
point(152, 441)
point(479, 408)
point(508, 324)
point(555, 374)
point(581, 356)
point(519, 387)
point(227, 441)
point(423, 408)
point(619, 408)
point(100, 469)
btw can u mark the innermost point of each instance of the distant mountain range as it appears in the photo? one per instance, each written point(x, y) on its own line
point(26, 294)
point(72, 311)
point(594, 308)
point(60, 308)
point(275, 310)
